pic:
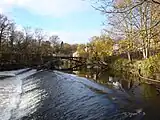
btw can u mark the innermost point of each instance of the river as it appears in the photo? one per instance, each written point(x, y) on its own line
point(54, 95)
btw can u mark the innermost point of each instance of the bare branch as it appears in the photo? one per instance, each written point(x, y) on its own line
point(154, 1)
point(103, 9)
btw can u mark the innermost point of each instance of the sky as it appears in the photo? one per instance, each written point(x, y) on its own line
point(74, 21)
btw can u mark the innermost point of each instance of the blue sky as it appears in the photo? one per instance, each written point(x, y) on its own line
point(75, 21)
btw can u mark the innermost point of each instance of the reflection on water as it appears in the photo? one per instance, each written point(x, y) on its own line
point(53, 95)
point(129, 83)
point(149, 95)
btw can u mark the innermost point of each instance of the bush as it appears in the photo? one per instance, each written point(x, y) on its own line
point(121, 64)
point(149, 66)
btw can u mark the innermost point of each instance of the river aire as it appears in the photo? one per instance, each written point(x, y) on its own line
point(28, 94)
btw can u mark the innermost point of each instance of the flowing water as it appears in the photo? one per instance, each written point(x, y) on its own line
point(54, 95)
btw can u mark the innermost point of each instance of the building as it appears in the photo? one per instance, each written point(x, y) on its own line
point(75, 54)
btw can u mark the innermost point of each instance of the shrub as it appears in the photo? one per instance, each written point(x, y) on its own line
point(149, 66)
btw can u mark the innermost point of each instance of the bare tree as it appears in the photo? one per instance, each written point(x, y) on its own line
point(12, 36)
point(55, 42)
point(132, 19)
point(4, 27)
point(39, 35)
point(28, 37)
point(19, 38)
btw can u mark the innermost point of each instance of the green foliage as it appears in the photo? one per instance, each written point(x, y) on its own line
point(68, 49)
point(120, 64)
point(149, 66)
point(126, 46)
point(99, 48)
point(81, 50)
point(102, 46)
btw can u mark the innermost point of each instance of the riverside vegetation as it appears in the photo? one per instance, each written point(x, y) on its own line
point(131, 43)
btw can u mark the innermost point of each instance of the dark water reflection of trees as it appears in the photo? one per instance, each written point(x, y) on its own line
point(128, 83)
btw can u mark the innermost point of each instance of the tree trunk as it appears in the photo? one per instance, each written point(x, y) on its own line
point(129, 56)
point(144, 54)
point(1, 41)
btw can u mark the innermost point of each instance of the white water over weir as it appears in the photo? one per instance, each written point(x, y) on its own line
point(10, 92)
point(51, 95)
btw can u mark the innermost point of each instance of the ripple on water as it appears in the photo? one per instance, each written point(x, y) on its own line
point(71, 98)
point(60, 96)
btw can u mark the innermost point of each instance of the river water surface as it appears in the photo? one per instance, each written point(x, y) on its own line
point(54, 95)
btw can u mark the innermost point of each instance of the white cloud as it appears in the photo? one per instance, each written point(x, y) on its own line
point(48, 7)
point(54, 8)
point(71, 37)
point(1, 10)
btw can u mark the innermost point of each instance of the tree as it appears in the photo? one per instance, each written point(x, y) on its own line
point(19, 38)
point(66, 49)
point(39, 36)
point(4, 28)
point(28, 37)
point(101, 46)
point(126, 46)
point(55, 42)
point(46, 48)
point(133, 19)
point(81, 51)
point(12, 36)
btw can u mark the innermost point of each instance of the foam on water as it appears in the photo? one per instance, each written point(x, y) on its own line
point(12, 73)
point(10, 92)
point(30, 98)
point(83, 81)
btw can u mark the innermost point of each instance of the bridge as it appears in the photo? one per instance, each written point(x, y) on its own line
point(63, 63)
point(9, 61)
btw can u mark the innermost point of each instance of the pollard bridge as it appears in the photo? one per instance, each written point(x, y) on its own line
point(62, 63)
point(59, 62)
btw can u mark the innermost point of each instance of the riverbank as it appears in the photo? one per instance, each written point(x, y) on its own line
point(147, 69)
